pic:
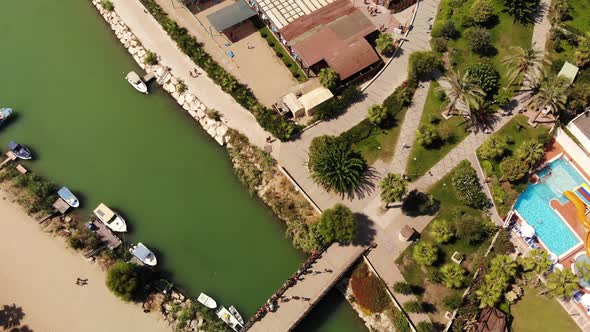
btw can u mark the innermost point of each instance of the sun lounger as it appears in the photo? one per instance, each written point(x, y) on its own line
point(577, 296)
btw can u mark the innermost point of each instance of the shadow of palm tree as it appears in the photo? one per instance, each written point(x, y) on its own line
point(366, 185)
point(11, 316)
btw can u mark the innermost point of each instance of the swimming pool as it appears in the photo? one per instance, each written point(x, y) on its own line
point(533, 205)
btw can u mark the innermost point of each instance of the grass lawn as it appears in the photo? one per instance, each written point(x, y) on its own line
point(505, 34)
point(451, 208)
point(516, 131)
point(380, 143)
point(535, 313)
point(422, 158)
point(279, 50)
point(580, 14)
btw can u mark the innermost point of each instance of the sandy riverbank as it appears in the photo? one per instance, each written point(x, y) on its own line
point(38, 274)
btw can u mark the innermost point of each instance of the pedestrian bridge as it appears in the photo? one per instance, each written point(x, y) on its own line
point(327, 269)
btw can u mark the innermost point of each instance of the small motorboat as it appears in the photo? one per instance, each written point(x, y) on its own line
point(229, 319)
point(145, 255)
point(207, 301)
point(65, 194)
point(20, 151)
point(236, 314)
point(111, 219)
point(5, 113)
point(136, 82)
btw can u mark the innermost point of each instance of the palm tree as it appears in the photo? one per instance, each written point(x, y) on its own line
point(377, 114)
point(393, 188)
point(531, 152)
point(453, 276)
point(328, 78)
point(504, 264)
point(489, 294)
point(583, 272)
point(528, 62)
point(441, 231)
point(384, 43)
point(462, 89)
point(334, 165)
point(551, 95)
point(562, 283)
point(425, 253)
point(538, 261)
point(582, 52)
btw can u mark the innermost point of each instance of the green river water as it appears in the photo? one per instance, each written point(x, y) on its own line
point(62, 72)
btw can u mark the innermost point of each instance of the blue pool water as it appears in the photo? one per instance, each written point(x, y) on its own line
point(533, 205)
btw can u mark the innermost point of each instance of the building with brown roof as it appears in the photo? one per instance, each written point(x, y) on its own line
point(334, 36)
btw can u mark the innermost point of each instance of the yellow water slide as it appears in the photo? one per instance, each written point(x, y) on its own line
point(581, 208)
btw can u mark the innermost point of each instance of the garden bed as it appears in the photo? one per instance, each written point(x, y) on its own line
point(424, 279)
point(516, 132)
point(423, 158)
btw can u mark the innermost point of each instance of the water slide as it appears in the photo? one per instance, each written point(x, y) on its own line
point(581, 208)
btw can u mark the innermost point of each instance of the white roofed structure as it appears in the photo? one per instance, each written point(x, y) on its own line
point(314, 98)
point(294, 105)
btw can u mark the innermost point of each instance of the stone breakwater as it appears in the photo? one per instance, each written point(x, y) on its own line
point(194, 107)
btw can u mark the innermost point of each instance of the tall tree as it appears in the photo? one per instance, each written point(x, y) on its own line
point(582, 52)
point(551, 95)
point(530, 152)
point(328, 78)
point(493, 148)
point(337, 224)
point(393, 188)
point(489, 293)
point(528, 62)
point(562, 283)
point(425, 253)
point(522, 10)
point(334, 165)
point(441, 231)
point(384, 43)
point(537, 260)
point(462, 90)
point(377, 115)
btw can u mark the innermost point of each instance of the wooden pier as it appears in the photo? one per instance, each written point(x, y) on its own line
point(9, 157)
point(105, 235)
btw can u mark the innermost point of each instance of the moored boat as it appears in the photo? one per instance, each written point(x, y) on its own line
point(145, 255)
point(236, 314)
point(5, 113)
point(136, 82)
point(20, 151)
point(111, 219)
point(229, 319)
point(207, 301)
point(65, 194)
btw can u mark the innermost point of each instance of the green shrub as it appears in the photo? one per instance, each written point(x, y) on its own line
point(400, 322)
point(513, 169)
point(413, 306)
point(401, 287)
point(453, 275)
point(503, 244)
point(482, 11)
point(441, 231)
point(427, 135)
point(467, 186)
point(423, 64)
point(446, 29)
point(503, 97)
point(479, 40)
point(425, 326)
point(151, 58)
point(107, 5)
point(401, 98)
point(124, 280)
point(328, 78)
point(485, 76)
point(368, 290)
point(493, 148)
point(439, 44)
point(452, 302)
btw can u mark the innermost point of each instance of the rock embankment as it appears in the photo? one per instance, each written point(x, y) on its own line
point(216, 128)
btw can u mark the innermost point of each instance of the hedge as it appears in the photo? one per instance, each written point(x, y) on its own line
point(267, 118)
point(368, 290)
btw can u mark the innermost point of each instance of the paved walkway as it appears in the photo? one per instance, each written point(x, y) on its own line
point(410, 125)
point(154, 38)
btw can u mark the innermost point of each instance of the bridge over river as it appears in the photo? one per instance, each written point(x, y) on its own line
point(310, 288)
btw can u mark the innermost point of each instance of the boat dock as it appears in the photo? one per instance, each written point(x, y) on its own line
point(10, 156)
point(105, 234)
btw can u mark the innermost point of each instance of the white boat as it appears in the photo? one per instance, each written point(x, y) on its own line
point(229, 319)
point(207, 301)
point(111, 219)
point(136, 82)
point(236, 314)
point(68, 197)
point(145, 255)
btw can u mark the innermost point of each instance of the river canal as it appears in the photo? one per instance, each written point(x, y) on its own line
point(62, 72)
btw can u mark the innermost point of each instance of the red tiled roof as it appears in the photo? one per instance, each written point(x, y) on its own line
point(336, 34)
